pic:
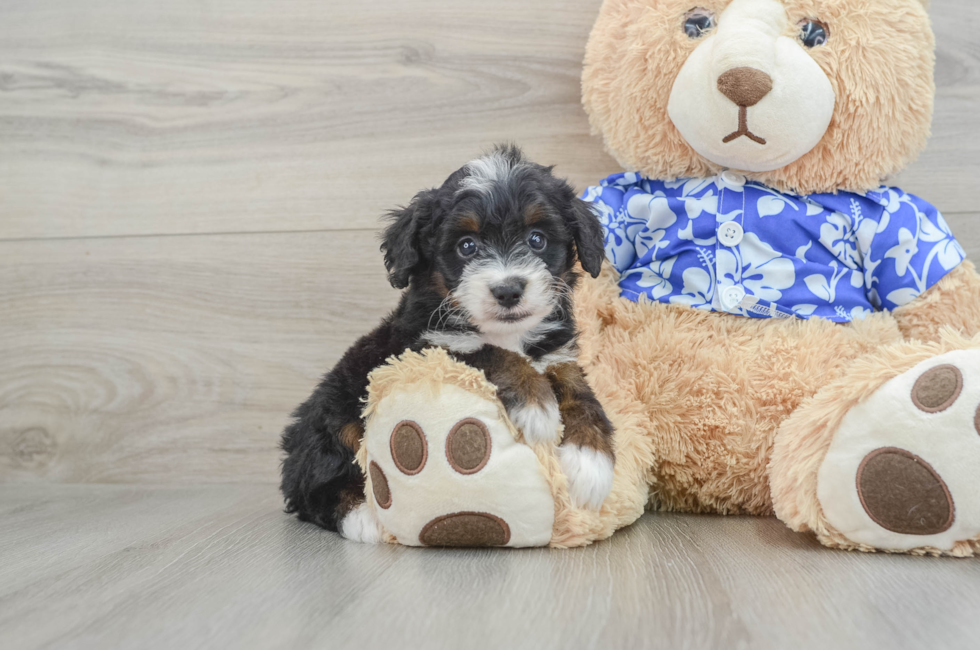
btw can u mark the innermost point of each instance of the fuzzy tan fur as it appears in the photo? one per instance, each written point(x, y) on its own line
point(879, 61)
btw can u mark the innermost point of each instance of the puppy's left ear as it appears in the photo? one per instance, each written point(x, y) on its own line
point(404, 241)
point(589, 238)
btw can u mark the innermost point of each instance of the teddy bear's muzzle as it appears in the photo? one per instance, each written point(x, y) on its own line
point(745, 87)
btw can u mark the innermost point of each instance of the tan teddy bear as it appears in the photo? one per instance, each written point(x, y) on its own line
point(776, 332)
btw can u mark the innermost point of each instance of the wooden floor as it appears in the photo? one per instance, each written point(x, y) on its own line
point(101, 566)
point(189, 203)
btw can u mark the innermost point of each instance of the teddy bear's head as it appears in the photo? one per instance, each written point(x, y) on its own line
point(802, 95)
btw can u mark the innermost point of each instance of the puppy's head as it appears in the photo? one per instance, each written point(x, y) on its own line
point(498, 241)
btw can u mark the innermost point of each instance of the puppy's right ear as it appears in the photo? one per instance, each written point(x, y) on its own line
point(405, 240)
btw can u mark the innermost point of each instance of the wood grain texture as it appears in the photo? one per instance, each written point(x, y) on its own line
point(220, 567)
point(158, 359)
point(146, 117)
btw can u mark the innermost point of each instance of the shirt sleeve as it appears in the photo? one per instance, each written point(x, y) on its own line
point(609, 204)
point(911, 249)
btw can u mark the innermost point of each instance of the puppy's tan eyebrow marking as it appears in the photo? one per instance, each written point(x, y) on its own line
point(470, 223)
point(533, 215)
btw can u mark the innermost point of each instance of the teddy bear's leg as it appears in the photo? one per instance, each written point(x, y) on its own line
point(887, 456)
point(953, 302)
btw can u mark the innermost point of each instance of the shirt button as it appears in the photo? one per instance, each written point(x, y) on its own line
point(732, 297)
point(730, 233)
point(733, 179)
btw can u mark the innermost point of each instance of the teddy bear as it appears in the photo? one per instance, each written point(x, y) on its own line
point(777, 330)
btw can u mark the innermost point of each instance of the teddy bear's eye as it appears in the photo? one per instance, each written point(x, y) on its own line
point(813, 33)
point(697, 22)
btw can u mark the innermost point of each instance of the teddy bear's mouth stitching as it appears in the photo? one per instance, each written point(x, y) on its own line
point(743, 128)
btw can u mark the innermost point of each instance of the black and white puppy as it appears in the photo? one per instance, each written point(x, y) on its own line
point(488, 263)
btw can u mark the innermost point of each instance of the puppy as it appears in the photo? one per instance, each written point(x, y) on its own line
point(488, 263)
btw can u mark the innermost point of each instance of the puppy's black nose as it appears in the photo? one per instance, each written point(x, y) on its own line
point(509, 293)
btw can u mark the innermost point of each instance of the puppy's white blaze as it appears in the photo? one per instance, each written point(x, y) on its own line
point(487, 171)
point(589, 473)
point(361, 525)
point(539, 424)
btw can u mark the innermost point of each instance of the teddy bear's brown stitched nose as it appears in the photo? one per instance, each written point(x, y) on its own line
point(745, 86)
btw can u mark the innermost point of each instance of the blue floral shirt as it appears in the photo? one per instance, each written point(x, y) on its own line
point(724, 244)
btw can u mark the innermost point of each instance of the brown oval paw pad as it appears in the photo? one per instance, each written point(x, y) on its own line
point(408, 448)
point(466, 529)
point(468, 446)
point(379, 483)
point(903, 493)
point(937, 389)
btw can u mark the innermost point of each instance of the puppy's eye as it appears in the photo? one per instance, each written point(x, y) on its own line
point(697, 22)
point(813, 33)
point(537, 241)
point(466, 247)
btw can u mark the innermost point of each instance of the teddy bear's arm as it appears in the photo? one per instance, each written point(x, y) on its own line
point(954, 302)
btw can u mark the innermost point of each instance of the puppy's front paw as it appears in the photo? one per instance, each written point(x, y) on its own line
point(361, 525)
point(590, 475)
point(538, 422)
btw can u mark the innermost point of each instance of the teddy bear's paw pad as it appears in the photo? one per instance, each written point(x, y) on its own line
point(466, 529)
point(379, 485)
point(468, 446)
point(408, 447)
point(923, 505)
point(445, 469)
point(901, 472)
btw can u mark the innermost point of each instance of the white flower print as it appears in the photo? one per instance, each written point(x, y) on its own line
point(694, 207)
point(824, 287)
point(903, 251)
point(754, 264)
point(902, 296)
point(838, 236)
point(769, 206)
point(860, 313)
point(653, 278)
point(948, 250)
point(656, 214)
point(697, 289)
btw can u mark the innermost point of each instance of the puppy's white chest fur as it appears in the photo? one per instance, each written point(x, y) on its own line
point(516, 341)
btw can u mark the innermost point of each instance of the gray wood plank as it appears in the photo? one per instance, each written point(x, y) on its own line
point(213, 567)
point(142, 117)
point(172, 359)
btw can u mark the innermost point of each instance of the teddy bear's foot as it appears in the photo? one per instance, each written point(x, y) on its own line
point(443, 463)
point(901, 473)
